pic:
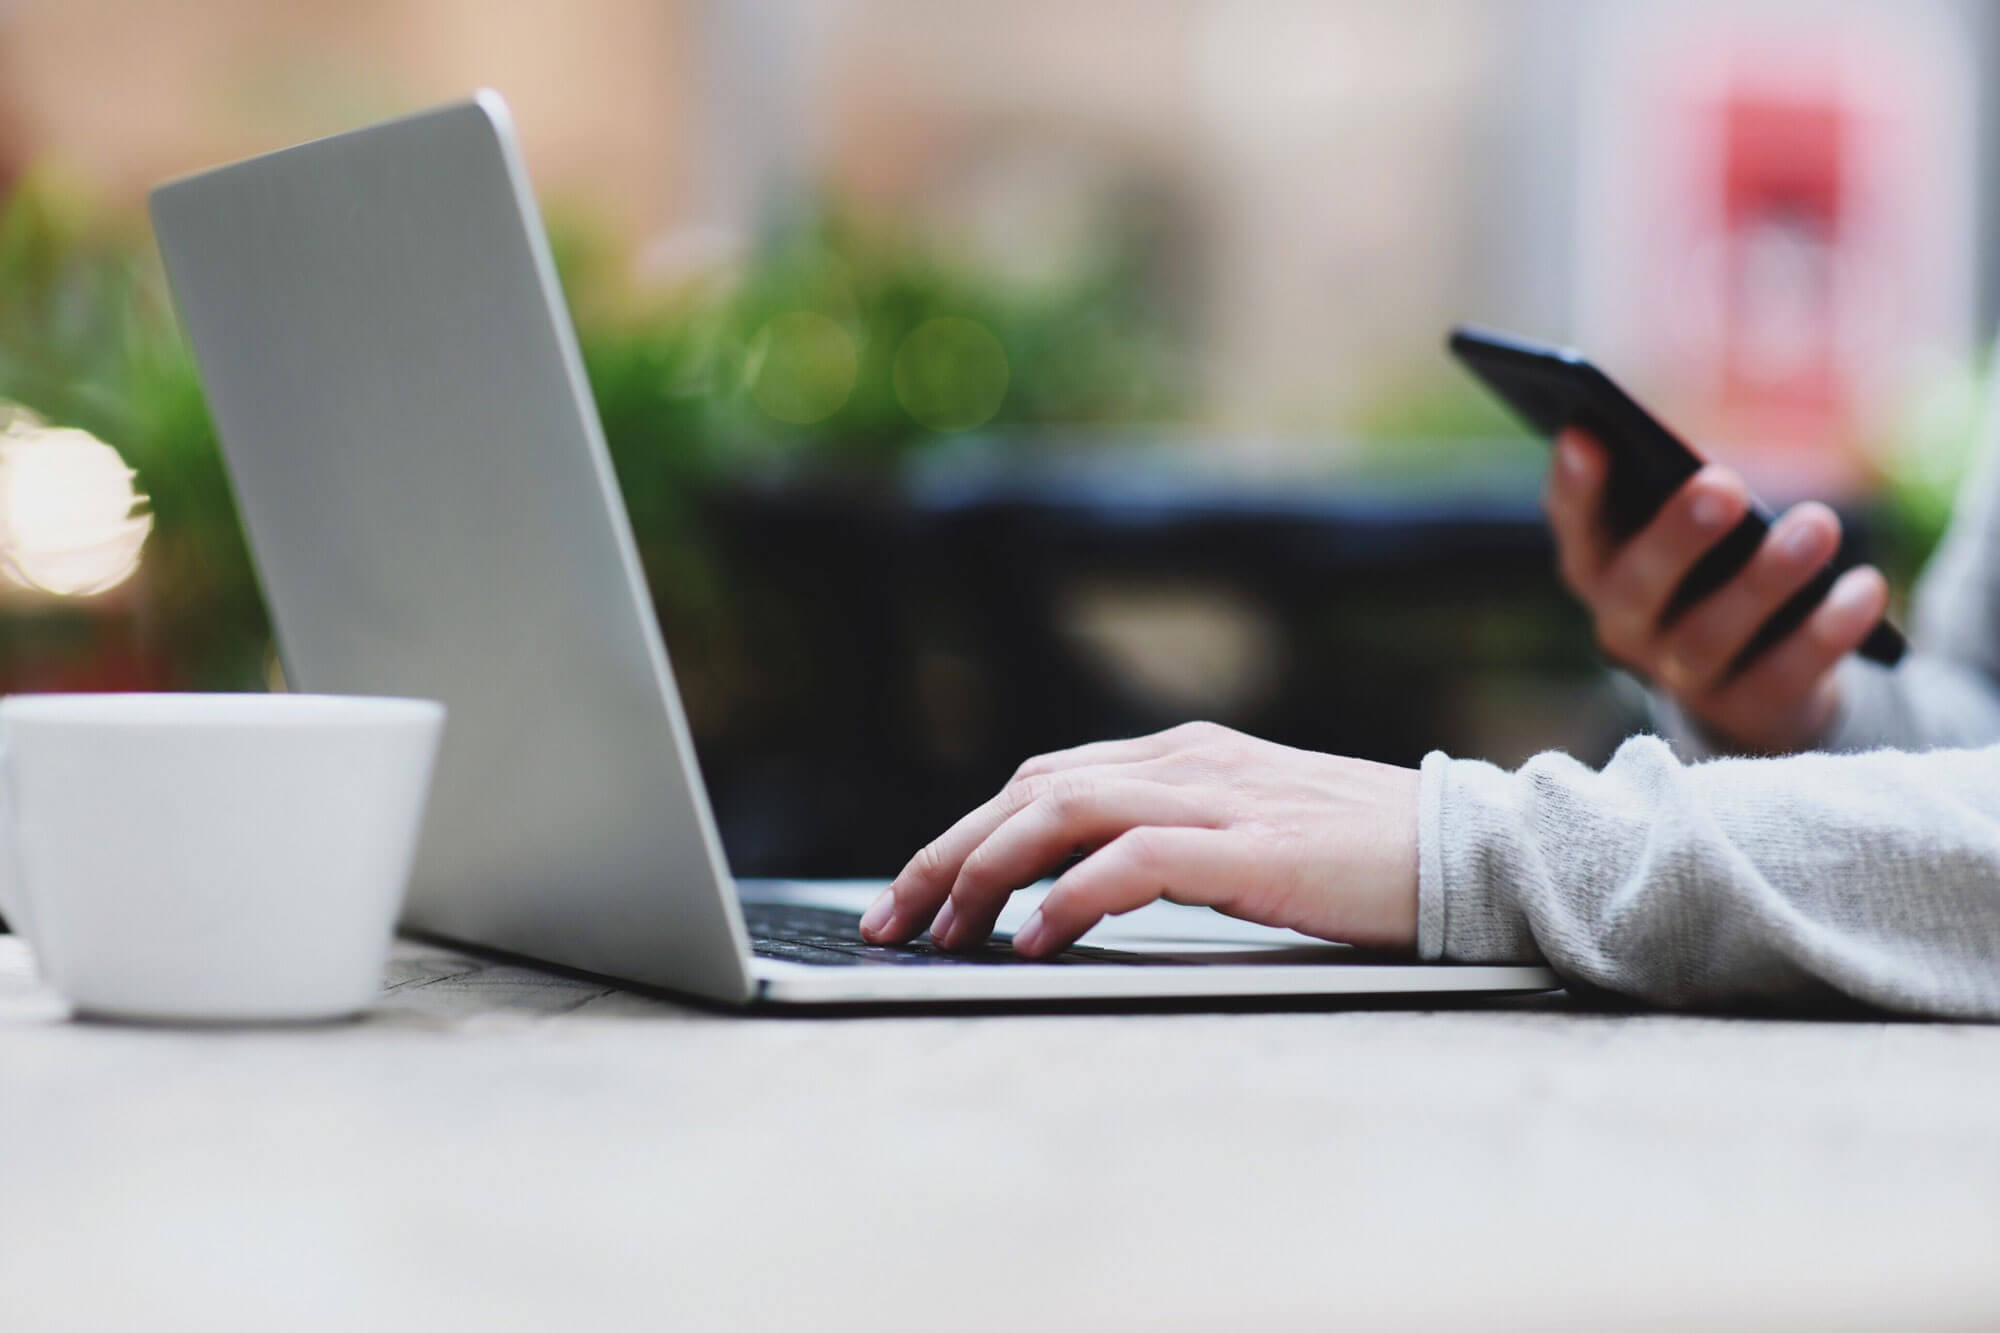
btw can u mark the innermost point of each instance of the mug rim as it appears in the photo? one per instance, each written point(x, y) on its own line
point(199, 708)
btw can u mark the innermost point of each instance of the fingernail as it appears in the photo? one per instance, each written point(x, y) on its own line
point(1851, 592)
point(1710, 511)
point(878, 913)
point(1800, 539)
point(941, 928)
point(1028, 938)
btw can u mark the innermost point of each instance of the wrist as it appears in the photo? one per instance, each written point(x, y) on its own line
point(1781, 731)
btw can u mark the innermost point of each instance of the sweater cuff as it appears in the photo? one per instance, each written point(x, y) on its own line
point(1430, 857)
point(1469, 852)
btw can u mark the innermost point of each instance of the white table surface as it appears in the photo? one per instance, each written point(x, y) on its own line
point(494, 1147)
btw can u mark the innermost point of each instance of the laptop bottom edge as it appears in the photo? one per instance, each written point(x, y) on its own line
point(782, 983)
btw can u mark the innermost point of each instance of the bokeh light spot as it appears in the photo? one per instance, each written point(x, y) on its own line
point(69, 520)
point(951, 374)
point(802, 367)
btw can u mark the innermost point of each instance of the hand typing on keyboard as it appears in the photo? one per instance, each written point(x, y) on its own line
point(1199, 814)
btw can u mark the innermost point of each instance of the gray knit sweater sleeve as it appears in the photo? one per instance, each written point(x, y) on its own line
point(1738, 881)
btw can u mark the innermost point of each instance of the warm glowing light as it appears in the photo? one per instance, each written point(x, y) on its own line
point(951, 374)
point(69, 514)
point(802, 367)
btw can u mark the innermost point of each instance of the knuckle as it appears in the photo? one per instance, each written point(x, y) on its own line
point(929, 861)
point(1139, 848)
point(1200, 732)
point(975, 873)
point(1061, 796)
point(1029, 768)
point(1021, 794)
point(1216, 738)
point(1189, 766)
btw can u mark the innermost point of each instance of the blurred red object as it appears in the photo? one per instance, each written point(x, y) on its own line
point(1776, 226)
point(1783, 219)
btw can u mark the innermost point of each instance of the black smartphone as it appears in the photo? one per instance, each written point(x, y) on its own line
point(1552, 388)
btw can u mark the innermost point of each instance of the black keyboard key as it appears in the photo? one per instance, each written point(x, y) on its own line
point(825, 936)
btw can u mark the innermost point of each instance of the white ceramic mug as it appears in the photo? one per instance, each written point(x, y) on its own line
point(211, 857)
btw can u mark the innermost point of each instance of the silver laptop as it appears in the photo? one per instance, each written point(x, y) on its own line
point(433, 512)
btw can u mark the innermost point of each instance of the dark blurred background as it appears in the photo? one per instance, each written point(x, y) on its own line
point(987, 376)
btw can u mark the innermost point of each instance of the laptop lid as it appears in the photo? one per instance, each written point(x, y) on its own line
point(432, 512)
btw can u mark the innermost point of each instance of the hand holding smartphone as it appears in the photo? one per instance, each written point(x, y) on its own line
point(1553, 389)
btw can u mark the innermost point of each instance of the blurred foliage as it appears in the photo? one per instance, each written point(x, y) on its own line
point(832, 349)
point(1444, 424)
point(1931, 447)
point(850, 346)
point(830, 352)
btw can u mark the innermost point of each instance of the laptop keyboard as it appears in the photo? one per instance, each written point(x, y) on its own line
point(828, 936)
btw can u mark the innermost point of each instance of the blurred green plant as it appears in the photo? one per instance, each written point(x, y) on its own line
point(1931, 446)
point(851, 346)
point(832, 350)
point(1441, 423)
